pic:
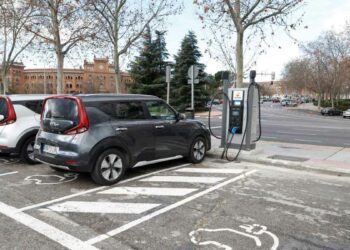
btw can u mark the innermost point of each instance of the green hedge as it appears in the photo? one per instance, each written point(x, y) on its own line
point(341, 104)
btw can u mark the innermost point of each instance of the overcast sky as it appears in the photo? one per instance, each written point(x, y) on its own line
point(320, 15)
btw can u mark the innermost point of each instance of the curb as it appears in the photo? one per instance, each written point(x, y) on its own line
point(253, 158)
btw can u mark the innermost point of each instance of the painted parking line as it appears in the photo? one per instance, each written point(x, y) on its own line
point(45, 229)
point(101, 207)
point(14, 172)
point(147, 217)
point(149, 191)
point(210, 170)
point(188, 179)
point(96, 189)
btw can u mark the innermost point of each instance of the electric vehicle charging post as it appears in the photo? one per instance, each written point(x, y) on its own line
point(241, 116)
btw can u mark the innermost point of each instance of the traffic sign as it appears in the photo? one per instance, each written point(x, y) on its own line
point(196, 81)
point(193, 70)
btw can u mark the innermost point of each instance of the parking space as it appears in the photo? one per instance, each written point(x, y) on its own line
point(176, 205)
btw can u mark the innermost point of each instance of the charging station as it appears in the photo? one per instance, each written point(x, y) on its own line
point(242, 116)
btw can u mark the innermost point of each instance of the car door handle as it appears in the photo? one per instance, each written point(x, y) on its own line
point(121, 129)
point(159, 126)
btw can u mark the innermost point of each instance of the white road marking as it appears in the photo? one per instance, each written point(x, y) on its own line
point(165, 209)
point(302, 140)
point(96, 189)
point(216, 127)
point(291, 133)
point(101, 207)
point(52, 179)
point(149, 191)
point(47, 230)
point(15, 172)
point(268, 137)
point(189, 179)
point(303, 129)
point(211, 170)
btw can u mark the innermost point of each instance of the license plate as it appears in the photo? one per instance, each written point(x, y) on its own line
point(50, 149)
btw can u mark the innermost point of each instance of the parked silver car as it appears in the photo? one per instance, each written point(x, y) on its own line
point(346, 114)
point(19, 124)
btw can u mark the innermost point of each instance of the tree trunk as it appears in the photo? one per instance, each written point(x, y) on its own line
point(319, 102)
point(332, 99)
point(239, 60)
point(118, 80)
point(4, 80)
point(60, 63)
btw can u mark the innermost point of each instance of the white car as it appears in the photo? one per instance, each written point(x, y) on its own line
point(346, 114)
point(19, 124)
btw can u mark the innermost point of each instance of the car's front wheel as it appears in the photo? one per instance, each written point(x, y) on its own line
point(109, 168)
point(198, 150)
point(27, 151)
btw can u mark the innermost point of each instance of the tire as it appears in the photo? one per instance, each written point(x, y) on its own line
point(114, 162)
point(323, 114)
point(198, 150)
point(27, 151)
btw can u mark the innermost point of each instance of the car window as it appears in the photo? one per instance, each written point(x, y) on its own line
point(3, 107)
point(128, 111)
point(61, 109)
point(159, 110)
point(34, 106)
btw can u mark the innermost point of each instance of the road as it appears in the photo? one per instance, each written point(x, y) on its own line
point(176, 205)
point(293, 126)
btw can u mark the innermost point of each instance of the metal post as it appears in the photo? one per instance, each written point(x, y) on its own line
point(192, 89)
point(45, 80)
point(224, 115)
point(168, 92)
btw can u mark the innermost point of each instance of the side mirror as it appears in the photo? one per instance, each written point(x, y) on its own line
point(181, 116)
point(2, 118)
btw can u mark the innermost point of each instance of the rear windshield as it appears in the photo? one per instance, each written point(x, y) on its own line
point(3, 107)
point(61, 109)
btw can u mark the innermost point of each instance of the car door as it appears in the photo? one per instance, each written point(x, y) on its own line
point(171, 134)
point(131, 127)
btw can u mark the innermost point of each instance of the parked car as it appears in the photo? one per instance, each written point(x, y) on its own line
point(284, 102)
point(331, 111)
point(276, 100)
point(19, 124)
point(346, 114)
point(105, 135)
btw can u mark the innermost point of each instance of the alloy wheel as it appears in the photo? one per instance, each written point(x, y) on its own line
point(199, 150)
point(30, 150)
point(111, 167)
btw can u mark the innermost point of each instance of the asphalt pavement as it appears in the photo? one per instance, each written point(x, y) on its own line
point(174, 205)
point(297, 126)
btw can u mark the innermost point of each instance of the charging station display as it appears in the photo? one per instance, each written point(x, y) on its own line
point(236, 111)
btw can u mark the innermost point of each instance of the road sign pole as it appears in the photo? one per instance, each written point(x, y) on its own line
point(168, 77)
point(192, 88)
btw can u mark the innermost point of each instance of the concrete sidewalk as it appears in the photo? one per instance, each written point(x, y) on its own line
point(330, 160)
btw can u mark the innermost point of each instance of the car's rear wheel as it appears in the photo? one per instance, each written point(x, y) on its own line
point(198, 150)
point(109, 168)
point(27, 151)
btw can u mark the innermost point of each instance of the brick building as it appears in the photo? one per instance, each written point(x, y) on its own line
point(95, 77)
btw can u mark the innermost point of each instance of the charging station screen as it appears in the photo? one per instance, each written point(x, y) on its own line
point(237, 103)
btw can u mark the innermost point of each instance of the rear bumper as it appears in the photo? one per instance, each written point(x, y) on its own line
point(61, 162)
point(6, 150)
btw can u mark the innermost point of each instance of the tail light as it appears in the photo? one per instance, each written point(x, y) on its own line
point(11, 117)
point(83, 119)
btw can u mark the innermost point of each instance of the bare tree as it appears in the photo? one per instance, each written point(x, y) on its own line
point(241, 16)
point(15, 15)
point(64, 25)
point(124, 22)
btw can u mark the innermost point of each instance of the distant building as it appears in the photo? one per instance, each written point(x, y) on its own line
point(96, 77)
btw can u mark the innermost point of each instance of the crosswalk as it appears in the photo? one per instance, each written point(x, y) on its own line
point(147, 197)
point(182, 176)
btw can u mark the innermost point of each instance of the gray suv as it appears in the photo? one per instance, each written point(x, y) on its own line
point(107, 134)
